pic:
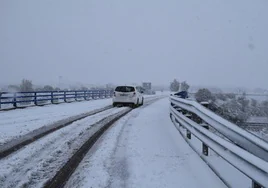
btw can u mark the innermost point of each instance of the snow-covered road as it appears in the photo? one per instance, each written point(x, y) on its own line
point(18, 122)
point(143, 149)
point(21, 121)
point(38, 162)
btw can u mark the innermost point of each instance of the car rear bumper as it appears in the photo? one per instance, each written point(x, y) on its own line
point(124, 104)
point(125, 100)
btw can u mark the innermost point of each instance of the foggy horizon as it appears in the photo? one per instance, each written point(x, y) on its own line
point(210, 43)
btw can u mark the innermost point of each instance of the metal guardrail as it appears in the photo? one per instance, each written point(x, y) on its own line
point(240, 94)
point(44, 97)
point(243, 150)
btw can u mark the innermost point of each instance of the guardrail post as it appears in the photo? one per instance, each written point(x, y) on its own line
point(35, 98)
point(51, 95)
point(64, 96)
point(188, 133)
point(0, 99)
point(204, 146)
point(256, 185)
point(15, 100)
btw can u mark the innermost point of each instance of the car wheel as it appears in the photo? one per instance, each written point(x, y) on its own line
point(142, 101)
point(138, 103)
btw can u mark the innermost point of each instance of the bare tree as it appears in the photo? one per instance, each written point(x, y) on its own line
point(184, 86)
point(204, 95)
point(230, 95)
point(48, 88)
point(254, 102)
point(13, 88)
point(264, 107)
point(221, 96)
point(243, 101)
point(174, 86)
point(234, 112)
point(26, 85)
point(84, 88)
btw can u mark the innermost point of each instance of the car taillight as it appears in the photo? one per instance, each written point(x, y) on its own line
point(134, 93)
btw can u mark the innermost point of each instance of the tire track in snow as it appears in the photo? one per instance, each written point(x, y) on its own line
point(101, 160)
point(31, 137)
point(38, 162)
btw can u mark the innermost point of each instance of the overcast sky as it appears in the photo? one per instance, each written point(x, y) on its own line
point(208, 42)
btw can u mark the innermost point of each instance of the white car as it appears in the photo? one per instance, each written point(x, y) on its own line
point(128, 95)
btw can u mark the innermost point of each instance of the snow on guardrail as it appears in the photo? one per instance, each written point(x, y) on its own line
point(241, 137)
point(243, 150)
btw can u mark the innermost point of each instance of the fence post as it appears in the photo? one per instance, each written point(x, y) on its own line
point(75, 95)
point(99, 94)
point(85, 95)
point(95, 95)
point(255, 185)
point(88, 95)
point(64, 96)
point(52, 102)
point(91, 94)
point(15, 100)
point(35, 98)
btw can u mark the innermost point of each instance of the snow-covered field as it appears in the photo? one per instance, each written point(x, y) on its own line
point(18, 122)
point(143, 149)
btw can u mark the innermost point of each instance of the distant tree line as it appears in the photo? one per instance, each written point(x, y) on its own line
point(27, 86)
point(236, 109)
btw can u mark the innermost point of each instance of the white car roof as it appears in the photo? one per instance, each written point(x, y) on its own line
point(127, 86)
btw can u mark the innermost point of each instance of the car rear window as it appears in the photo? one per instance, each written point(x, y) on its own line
point(125, 89)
